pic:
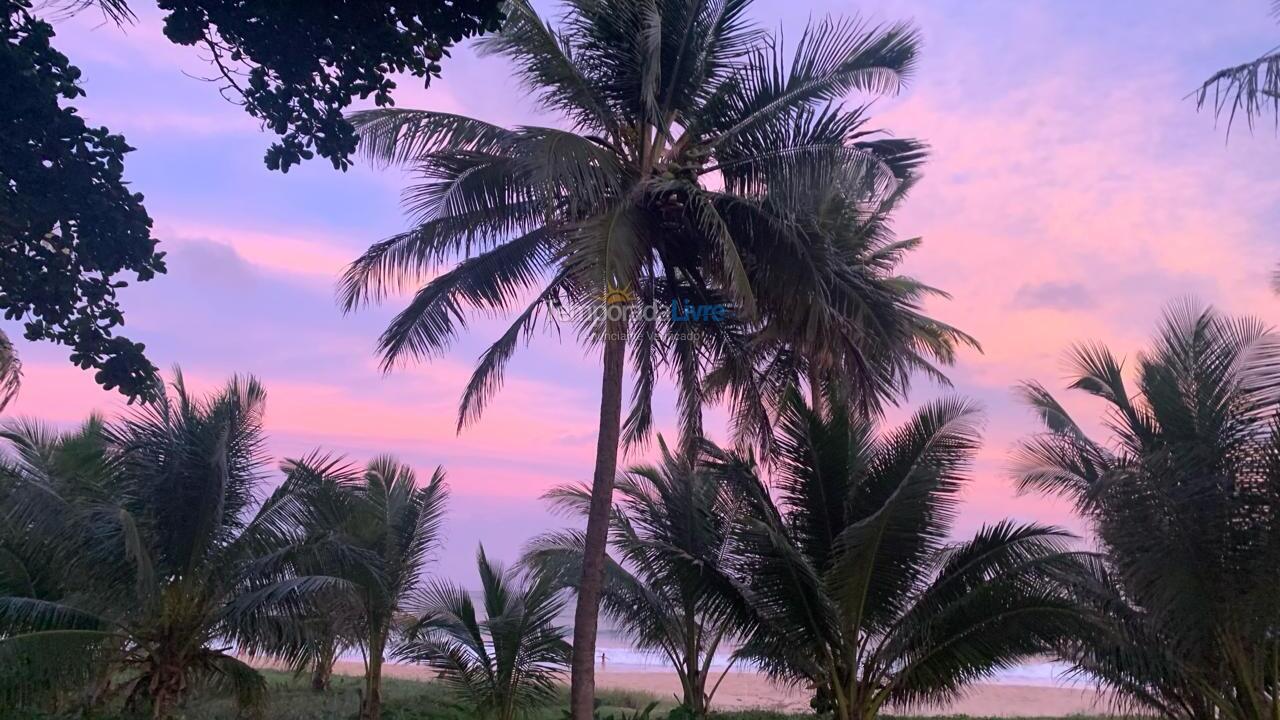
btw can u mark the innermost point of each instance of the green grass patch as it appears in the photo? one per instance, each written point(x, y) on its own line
point(291, 698)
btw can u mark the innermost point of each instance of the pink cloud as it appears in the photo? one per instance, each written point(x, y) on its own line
point(312, 256)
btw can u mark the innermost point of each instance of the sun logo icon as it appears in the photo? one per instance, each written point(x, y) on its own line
point(618, 296)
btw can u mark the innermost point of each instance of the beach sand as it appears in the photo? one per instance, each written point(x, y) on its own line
point(742, 690)
point(750, 690)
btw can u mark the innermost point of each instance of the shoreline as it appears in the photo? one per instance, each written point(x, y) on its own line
point(743, 690)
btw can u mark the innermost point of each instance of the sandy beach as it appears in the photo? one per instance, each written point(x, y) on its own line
point(750, 690)
point(741, 690)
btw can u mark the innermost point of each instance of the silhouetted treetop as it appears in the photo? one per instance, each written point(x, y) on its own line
point(297, 64)
point(69, 224)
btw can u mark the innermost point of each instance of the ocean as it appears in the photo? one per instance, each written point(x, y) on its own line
point(620, 655)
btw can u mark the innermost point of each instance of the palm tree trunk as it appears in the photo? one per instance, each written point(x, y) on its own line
point(371, 703)
point(696, 680)
point(816, 403)
point(583, 682)
point(168, 683)
point(698, 699)
point(323, 672)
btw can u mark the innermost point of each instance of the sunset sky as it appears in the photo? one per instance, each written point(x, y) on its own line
point(1072, 192)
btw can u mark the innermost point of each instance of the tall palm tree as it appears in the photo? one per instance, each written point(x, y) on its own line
point(1184, 499)
point(167, 555)
point(690, 135)
point(502, 665)
point(383, 513)
point(667, 584)
point(857, 590)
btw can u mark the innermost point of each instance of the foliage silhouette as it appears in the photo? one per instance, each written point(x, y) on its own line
point(1184, 499)
point(691, 135)
point(856, 588)
point(137, 554)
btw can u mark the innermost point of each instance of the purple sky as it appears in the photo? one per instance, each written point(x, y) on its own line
point(1073, 191)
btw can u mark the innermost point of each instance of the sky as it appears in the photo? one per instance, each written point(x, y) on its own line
point(1072, 192)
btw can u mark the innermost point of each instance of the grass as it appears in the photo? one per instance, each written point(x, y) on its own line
point(290, 698)
point(403, 699)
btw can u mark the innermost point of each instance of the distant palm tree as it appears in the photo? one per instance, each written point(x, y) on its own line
point(334, 623)
point(10, 371)
point(667, 584)
point(168, 558)
point(385, 515)
point(503, 664)
point(1184, 499)
point(858, 591)
point(333, 628)
point(691, 136)
point(1251, 88)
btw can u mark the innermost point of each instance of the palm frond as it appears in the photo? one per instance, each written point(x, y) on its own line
point(1250, 89)
point(832, 59)
point(487, 377)
point(114, 11)
point(906, 507)
point(37, 666)
point(398, 136)
point(486, 282)
point(546, 62)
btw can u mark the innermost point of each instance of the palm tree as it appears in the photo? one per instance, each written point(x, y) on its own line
point(334, 624)
point(857, 591)
point(333, 628)
point(1251, 88)
point(691, 135)
point(667, 586)
point(70, 463)
point(859, 342)
point(385, 515)
point(1184, 499)
point(504, 665)
point(167, 557)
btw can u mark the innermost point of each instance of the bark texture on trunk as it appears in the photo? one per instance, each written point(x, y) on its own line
point(583, 681)
point(167, 686)
point(322, 674)
point(698, 698)
point(371, 703)
point(816, 403)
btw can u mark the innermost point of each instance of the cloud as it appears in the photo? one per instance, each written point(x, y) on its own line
point(311, 256)
point(1054, 295)
point(209, 264)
